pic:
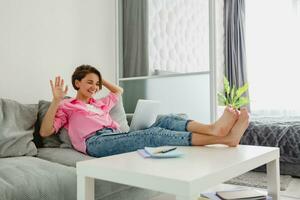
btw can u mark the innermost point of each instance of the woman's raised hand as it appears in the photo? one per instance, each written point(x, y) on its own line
point(58, 90)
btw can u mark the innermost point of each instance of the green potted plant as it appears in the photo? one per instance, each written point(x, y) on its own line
point(233, 96)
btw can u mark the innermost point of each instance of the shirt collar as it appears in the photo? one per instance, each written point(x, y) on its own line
point(75, 101)
point(92, 100)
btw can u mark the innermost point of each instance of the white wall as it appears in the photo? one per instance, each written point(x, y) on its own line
point(43, 38)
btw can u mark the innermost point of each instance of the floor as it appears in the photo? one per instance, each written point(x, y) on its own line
point(292, 192)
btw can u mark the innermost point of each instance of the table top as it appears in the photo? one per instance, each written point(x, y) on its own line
point(199, 167)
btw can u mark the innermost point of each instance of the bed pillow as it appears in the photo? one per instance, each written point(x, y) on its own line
point(16, 128)
point(62, 139)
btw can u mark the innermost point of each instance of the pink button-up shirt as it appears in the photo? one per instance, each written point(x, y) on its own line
point(81, 121)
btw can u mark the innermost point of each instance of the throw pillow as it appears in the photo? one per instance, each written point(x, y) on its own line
point(52, 140)
point(64, 138)
point(118, 114)
point(16, 128)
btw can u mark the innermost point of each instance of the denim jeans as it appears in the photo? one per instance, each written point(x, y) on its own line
point(167, 130)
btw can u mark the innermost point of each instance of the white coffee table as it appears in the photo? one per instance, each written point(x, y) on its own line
point(199, 169)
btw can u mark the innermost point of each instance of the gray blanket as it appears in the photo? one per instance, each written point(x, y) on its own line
point(276, 132)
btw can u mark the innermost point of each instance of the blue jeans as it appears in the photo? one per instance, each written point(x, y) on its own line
point(167, 130)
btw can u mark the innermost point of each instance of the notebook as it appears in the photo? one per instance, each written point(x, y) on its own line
point(241, 194)
point(160, 152)
point(213, 196)
point(144, 115)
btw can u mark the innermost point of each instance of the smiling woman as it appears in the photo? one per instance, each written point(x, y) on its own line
point(87, 81)
point(92, 130)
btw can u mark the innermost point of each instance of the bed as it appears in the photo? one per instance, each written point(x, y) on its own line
point(277, 132)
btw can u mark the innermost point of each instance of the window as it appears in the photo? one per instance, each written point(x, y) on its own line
point(273, 56)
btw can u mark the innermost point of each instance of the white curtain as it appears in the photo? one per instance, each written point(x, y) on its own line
point(273, 56)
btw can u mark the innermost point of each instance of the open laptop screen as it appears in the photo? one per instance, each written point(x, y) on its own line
point(145, 114)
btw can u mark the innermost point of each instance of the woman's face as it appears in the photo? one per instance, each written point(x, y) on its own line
point(89, 85)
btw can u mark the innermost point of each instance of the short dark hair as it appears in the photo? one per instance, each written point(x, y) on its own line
point(81, 71)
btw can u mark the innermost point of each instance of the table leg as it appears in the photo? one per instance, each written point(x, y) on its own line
point(273, 179)
point(85, 188)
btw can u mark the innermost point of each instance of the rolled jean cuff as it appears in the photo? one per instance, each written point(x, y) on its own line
point(171, 122)
point(186, 124)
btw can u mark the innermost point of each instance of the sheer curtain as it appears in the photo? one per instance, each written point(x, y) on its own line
point(273, 56)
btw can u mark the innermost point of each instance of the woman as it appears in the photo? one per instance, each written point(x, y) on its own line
point(92, 131)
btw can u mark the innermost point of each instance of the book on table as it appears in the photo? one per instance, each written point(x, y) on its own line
point(244, 194)
point(160, 152)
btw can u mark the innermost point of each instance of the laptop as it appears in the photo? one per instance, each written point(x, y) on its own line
point(144, 115)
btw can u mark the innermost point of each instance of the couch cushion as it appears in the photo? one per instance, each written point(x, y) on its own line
point(16, 128)
point(104, 190)
point(65, 156)
point(31, 178)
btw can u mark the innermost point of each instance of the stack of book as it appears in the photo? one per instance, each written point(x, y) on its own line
point(244, 194)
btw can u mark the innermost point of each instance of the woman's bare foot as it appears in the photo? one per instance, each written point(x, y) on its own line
point(224, 124)
point(239, 128)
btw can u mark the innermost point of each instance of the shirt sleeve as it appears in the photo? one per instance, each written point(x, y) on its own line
point(110, 100)
point(60, 119)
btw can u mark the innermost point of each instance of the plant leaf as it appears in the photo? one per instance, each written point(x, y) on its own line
point(241, 90)
point(226, 86)
point(241, 102)
point(222, 99)
point(232, 95)
point(233, 105)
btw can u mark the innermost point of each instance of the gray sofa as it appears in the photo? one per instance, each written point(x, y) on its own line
point(35, 168)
